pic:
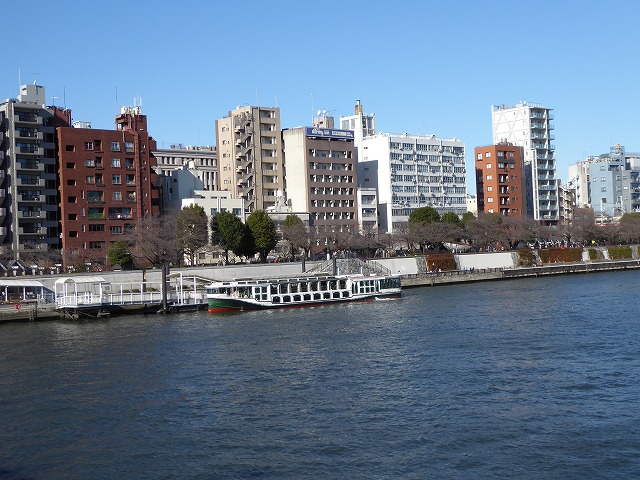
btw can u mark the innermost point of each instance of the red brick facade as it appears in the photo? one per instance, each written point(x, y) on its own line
point(106, 186)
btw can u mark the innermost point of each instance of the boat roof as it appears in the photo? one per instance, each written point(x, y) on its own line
point(255, 281)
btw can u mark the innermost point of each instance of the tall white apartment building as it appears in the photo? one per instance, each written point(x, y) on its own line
point(413, 171)
point(529, 125)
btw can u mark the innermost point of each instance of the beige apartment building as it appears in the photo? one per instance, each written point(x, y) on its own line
point(250, 165)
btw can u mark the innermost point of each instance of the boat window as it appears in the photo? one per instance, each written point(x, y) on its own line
point(304, 287)
point(283, 288)
point(323, 286)
point(275, 299)
point(296, 298)
point(286, 299)
point(332, 285)
point(336, 294)
point(314, 286)
point(293, 287)
point(326, 295)
point(343, 284)
point(307, 296)
point(345, 294)
point(317, 296)
point(274, 289)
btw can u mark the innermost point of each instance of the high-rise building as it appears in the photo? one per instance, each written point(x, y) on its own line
point(413, 171)
point(500, 182)
point(249, 146)
point(321, 178)
point(529, 125)
point(29, 222)
point(107, 185)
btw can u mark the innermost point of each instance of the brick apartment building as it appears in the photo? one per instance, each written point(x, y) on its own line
point(500, 181)
point(107, 185)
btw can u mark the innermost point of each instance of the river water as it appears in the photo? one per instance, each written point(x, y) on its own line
point(530, 378)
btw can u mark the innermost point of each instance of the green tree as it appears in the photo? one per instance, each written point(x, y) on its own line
point(263, 232)
point(423, 216)
point(191, 231)
point(231, 233)
point(118, 254)
point(452, 218)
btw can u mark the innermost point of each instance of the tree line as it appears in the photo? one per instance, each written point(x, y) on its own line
point(178, 238)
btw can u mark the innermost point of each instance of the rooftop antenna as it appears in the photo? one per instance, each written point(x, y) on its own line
point(117, 98)
point(53, 100)
point(64, 97)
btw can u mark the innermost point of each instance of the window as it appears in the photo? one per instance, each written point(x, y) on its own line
point(128, 146)
point(89, 162)
point(96, 244)
point(71, 165)
point(489, 188)
point(603, 189)
point(115, 146)
point(603, 179)
point(73, 216)
point(488, 166)
point(96, 227)
point(480, 156)
point(489, 199)
point(91, 179)
point(70, 148)
point(71, 183)
point(88, 145)
point(487, 155)
point(117, 196)
point(72, 199)
point(116, 179)
point(602, 168)
point(489, 177)
point(117, 230)
point(115, 162)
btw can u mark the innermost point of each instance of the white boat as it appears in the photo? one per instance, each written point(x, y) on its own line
point(241, 295)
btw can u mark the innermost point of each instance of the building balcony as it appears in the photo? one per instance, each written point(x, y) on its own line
point(29, 134)
point(30, 182)
point(30, 150)
point(33, 166)
point(31, 246)
point(27, 118)
point(95, 201)
point(30, 214)
point(30, 198)
point(31, 230)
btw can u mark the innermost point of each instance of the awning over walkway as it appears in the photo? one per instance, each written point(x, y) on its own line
point(86, 279)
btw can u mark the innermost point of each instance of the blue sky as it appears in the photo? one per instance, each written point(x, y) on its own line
point(422, 67)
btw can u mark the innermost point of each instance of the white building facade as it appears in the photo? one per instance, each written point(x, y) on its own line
point(413, 171)
point(529, 125)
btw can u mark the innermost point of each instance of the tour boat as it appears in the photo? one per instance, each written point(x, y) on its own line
point(241, 295)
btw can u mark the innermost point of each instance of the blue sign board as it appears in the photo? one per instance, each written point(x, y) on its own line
point(328, 133)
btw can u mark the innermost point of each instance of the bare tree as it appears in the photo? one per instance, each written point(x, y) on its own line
point(153, 241)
